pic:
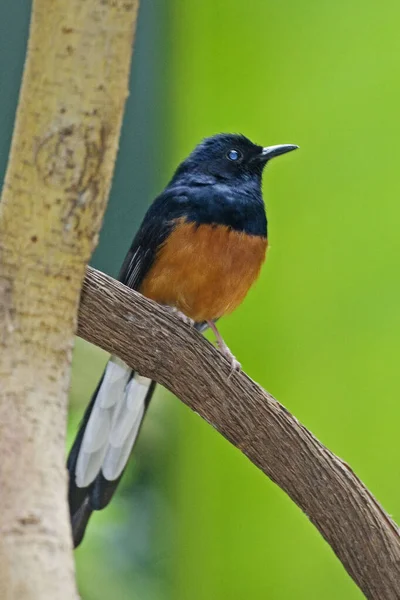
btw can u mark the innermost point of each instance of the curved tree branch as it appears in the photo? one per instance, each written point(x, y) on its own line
point(159, 346)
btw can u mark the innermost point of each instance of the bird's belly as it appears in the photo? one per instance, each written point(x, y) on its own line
point(205, 270)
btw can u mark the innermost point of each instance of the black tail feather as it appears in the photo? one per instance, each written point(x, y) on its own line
point(80, 520)
point(76, 495)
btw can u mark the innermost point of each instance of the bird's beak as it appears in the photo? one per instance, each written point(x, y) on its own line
point(271, 151)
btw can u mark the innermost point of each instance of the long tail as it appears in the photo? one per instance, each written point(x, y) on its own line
point(106, 436)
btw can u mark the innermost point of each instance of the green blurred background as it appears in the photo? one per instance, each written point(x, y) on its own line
point(321, 329)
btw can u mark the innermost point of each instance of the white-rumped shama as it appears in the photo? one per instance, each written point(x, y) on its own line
point(199, 249)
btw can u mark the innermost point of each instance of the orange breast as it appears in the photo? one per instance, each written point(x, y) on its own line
point(205, 271)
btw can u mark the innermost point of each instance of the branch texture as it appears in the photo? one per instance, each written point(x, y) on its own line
point(160, 346)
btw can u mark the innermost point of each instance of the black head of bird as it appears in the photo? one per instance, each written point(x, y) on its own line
point(230, 157)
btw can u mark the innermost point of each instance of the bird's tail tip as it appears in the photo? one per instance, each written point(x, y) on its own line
point(79, 522)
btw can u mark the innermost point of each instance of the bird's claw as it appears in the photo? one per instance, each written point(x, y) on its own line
point(235, 364)
point(181, 316)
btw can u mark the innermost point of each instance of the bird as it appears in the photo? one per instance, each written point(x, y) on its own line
point(198, 251)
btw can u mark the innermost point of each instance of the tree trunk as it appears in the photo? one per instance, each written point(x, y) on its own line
point(63, 152)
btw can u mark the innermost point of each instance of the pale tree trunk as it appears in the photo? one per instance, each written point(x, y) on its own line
point(63, 151)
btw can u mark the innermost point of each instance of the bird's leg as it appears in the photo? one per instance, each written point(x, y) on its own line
point(223, 348)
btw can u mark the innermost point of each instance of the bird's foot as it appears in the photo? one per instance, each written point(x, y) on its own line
point(181, 316)
point(184, 318)
point(225, 351)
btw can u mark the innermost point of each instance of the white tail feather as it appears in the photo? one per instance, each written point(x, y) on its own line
point(88, 466)
point(117, 456)
point(115, 379)
point(128, 412)
point(97, 430)
point(113, 424)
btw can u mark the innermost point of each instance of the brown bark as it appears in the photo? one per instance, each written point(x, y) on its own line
point(160, 346)
point(63, 152)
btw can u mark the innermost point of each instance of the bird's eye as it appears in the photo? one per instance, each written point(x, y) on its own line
point(234, 155)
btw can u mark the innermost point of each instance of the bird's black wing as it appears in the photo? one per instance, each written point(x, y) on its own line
point(157, 224)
